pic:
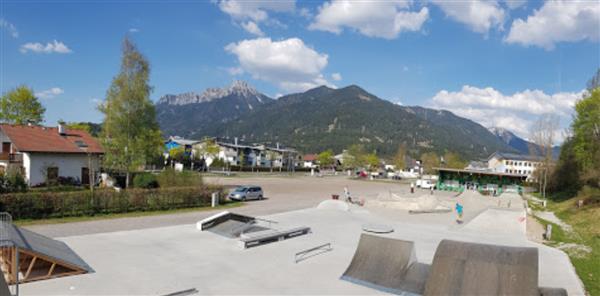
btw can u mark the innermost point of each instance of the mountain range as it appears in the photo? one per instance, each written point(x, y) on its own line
point(324, 118)
point(521, 145)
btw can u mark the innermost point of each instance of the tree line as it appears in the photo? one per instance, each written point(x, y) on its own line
point(356, 156)
point(577, 171)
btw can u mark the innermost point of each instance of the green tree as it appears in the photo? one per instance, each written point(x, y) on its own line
point(400, 158)
point(20, 106)
point(130, 134)
point(429, 161)
point(89, 127)
point(372, 161)
point(594, 82)
point(355, 156)
point(586, 137)
point(325, 158)
point(208, 149)
point(177, 154)
point(454, 161)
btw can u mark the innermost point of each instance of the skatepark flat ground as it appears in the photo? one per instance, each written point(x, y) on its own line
point(172, 258)
point(282, 194)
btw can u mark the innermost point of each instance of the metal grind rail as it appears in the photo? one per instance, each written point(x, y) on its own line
point(303, 255)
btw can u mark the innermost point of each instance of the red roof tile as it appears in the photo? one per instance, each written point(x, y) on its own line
point(310, 157)
point(47, 139)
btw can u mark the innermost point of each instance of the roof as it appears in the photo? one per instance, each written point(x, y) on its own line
point(35, 138)
point(182, 141)
point(481, 172)
point(24, 239)
point(515, 156)
point(310, 157)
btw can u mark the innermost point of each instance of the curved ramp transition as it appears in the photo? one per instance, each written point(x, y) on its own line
point(461, 268)
point(386, 264)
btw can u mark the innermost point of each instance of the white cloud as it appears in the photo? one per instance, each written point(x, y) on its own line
point(290, 64)
point(336, 76)
point(558, 21)
point(134, 30)
point(515, 112)
point(12, 30)
point(405, 68)
point(250, 13)
point(252, 28)
point(383, 19)
point(255, 10)
point(50, 47)
point(479, 15)
point(49, 93)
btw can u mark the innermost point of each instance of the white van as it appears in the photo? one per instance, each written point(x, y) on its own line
point(426, 184)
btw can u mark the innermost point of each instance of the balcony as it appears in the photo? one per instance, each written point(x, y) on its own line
point(11, 157)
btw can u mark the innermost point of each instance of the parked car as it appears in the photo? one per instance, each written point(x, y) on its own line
point(427, 184)
point(246, 193)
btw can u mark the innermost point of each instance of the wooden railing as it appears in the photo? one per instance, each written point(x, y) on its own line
point(11, 157)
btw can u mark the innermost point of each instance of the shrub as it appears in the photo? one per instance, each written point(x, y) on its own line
point(12, 181)
point(145, 180)
point(172, 178)
point(46, 204)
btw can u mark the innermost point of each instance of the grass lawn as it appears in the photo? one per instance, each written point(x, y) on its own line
point(26, 222)
point(586, 232)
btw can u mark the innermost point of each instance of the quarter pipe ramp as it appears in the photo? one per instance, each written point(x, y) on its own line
point(386, 264)
point(461, 268)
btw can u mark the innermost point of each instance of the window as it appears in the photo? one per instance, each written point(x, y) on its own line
point(85, 176)
point(52, 174)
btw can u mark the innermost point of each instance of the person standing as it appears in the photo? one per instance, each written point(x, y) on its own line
point(412, 187)
point(347, 194)
point(459, 212)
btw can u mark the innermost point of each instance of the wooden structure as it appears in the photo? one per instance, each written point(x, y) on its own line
point(26, 256)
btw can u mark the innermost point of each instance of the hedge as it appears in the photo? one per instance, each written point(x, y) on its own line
point(41, 205)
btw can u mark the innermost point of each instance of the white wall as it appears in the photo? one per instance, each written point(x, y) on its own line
point(69, 165)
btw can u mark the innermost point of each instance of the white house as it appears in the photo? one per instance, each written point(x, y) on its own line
point(511, 163)
point(47, 153)
point(258, 155)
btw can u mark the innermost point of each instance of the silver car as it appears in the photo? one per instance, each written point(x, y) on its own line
point(246, 193)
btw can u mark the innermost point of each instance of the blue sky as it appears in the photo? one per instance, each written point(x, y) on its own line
point(488, 61)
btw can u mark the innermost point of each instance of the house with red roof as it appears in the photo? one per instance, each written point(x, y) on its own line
point(48, 153)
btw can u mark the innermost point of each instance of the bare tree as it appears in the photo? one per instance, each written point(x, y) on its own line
point(543, 134)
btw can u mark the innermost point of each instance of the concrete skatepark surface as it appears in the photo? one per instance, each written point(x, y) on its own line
point(151, 260)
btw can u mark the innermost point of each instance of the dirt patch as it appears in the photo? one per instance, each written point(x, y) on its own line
point(575, 250)
point(535, 230)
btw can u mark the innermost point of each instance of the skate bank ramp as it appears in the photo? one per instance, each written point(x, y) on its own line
point(499, 221)
point(386, 264)
point(461, 268)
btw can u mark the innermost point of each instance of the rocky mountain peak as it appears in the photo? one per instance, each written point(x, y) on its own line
point(238, 88)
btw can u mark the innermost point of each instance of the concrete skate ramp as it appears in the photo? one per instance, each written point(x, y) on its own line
point(461, 268)
point(229, 224)
point(386, 264)
point(421, 204)
point(332, 204)
point(499, 221)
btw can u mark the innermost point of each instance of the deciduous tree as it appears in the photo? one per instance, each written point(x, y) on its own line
point(543, 134)
point(20, 106)
point(400, 158)
point(325, 158)
point(130, 135)
point(429, 161)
